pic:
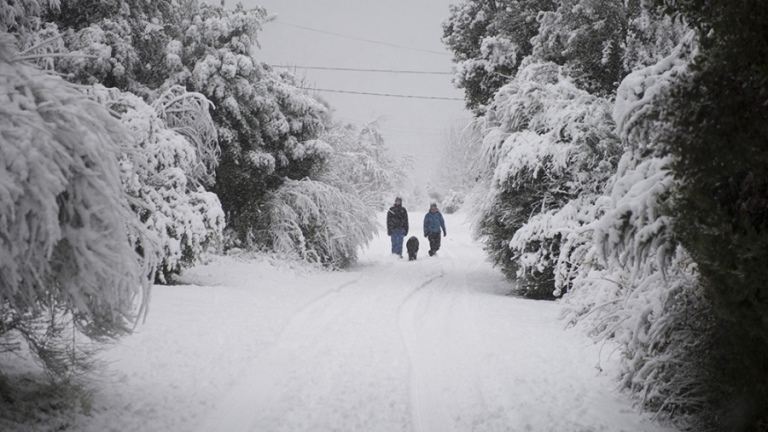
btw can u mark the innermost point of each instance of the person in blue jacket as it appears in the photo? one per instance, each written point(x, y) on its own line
point(433, 222)
point(397, 226)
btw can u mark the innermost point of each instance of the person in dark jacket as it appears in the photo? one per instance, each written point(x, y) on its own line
point(433, 222)
point(397, 226)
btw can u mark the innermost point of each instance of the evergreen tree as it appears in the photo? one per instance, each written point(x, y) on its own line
point(262, 119)
point(489, 40)
point(266, 124)
point(588, 38)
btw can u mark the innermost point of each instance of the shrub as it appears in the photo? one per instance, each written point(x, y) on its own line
point(319, 223)
point(547, 143)
point(163, 173)
point(452, 202)
point(70, 245)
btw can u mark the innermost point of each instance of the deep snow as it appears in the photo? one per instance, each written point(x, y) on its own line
point(388, 345)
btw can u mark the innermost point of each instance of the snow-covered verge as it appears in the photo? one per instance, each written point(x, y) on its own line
point(389, 345)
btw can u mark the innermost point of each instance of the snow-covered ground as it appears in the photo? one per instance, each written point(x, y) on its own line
point(388, 345)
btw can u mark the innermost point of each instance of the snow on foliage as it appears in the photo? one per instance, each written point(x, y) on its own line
point(600, 224)
point(651, 36)
point(489, 40)
point(452, 202)
point(266, 124)
point(327, 218)
point(587, 38)
point(68, 236)
point(359, 164)
point(546, 144)
point(162, 173)
point(101, 54)
point(22, 14)
point(188, 114)
point(320, 223)
point(631, 281)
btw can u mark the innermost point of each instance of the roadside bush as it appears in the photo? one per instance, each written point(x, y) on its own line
point(75, 262)
point(319, 223)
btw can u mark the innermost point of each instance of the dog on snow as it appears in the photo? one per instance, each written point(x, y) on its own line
point(413, 248)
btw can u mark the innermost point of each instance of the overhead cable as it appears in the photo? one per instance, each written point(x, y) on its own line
point(383, 94)
point(363, 70)
point(361, 39)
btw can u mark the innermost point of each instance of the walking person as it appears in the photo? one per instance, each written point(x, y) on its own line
point(433, 222)
point(397, 226)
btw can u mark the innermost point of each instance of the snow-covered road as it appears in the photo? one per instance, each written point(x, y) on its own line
point(389, 345)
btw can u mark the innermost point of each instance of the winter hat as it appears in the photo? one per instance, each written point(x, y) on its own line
point(397, 198)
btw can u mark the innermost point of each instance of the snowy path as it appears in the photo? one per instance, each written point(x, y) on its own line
point(389, 345)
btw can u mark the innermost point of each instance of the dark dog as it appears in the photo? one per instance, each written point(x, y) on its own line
point(413, 248)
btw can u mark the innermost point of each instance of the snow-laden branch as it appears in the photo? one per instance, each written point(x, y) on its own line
point(52, 55)
point(70, 238)
point(188, 113)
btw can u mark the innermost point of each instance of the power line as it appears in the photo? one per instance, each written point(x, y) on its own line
point(364, 70)
point(384, 125)
point(361, 39)
point(383, 94)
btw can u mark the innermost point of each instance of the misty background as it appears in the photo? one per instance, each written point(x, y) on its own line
point(299, 36)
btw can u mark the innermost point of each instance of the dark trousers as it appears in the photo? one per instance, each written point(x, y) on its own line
point(434, 242)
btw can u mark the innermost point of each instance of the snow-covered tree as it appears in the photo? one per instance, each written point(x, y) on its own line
point(70, 244)
point(717, 133)
point(327, 218)
point(163, 173)
point(266, 124)
point(636, 280)
point(651, 35)
point(359, 163)
point(262, 119)
point(587, 38)
point(124, 37)
point(631, 280)
point(663, 252)
point(319, 222)
point(489, 40)
point(455, 174)
point(546, 143)
point(23, 15)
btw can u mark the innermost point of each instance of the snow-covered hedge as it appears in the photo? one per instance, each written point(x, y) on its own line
point(327, 218)
point(546, 143)
point(631, 280)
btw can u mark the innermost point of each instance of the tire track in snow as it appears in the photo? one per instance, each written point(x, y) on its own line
point(236, 412)
point(424, 411)
point(282, 376)
point(305, 313)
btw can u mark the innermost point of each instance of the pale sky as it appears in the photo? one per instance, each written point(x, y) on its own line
point(412, 126)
